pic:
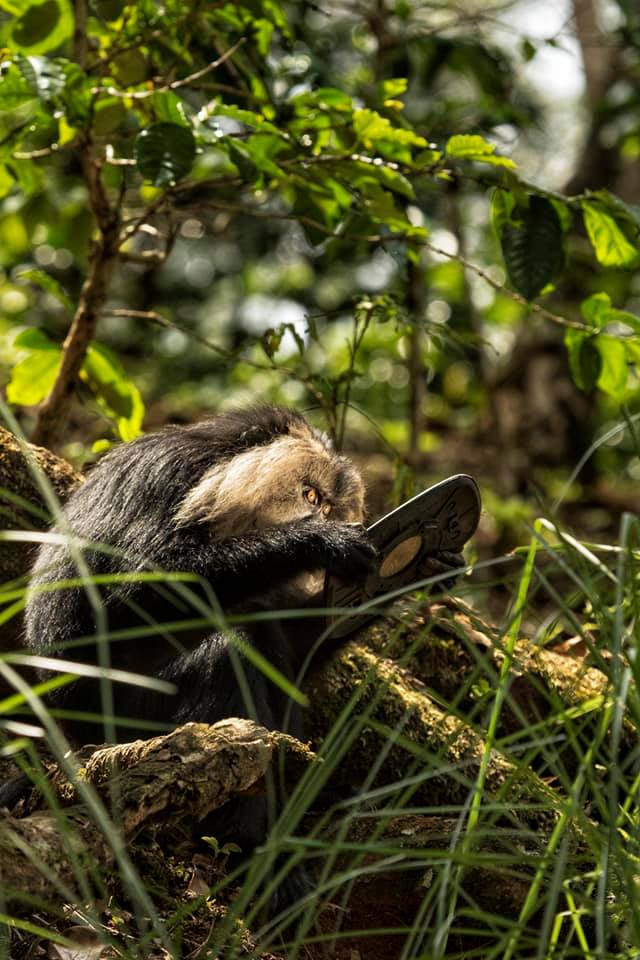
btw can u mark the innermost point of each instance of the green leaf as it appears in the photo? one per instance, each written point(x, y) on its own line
point(77, 96)
point(615, 370)
point(564, 212)
point(110, 113)
point(255, 154)
point(241, 158)
point(46, 75)
point(312, 204)
point(101, 446)
point(6, 182)
point(130, 67)
point(608, 237)
point(32, 378)
point(19, 102)
point(426, 158)
point(629, 212)
point(394, 181)
point(165, 152)
point(585, 361)
point(262, 35)
point(248, 117)
point(46, 282)
point(466, 146)
point(392, 89)
point(115, 392)
point(109, 10)
point(632, 348)
point(325, 99)
point(35, 93)
point(624, 317)
point(372, 129)
point(169, 108)
point(33, 338)
point(42, 27)
point(366, 177)
point(596, 309)
point(531, 243)
point(41, 132)
point(29, 175)
point(502, 204)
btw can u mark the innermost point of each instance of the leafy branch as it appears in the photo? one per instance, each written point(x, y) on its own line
point(346, 171)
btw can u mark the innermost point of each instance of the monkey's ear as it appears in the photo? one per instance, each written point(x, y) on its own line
point(252, 435)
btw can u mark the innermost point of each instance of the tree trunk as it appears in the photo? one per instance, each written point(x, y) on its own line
point(29, 476)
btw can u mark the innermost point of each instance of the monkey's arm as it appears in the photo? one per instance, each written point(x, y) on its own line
point(242, 567)
point(238, 569)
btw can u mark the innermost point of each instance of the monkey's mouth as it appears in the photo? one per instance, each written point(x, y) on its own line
point(310, 584)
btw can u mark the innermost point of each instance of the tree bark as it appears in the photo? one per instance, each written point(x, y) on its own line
point(396, 719)
point(23, 508)
point(415, 300)
point(170, 783)
point(102, 258)
point(54, 410)
point(599, 165)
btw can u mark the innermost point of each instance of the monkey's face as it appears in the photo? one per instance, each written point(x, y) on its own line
point(297, 476)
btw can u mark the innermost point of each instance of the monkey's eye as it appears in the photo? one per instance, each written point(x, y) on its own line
point(312, 495)
point(326, 509)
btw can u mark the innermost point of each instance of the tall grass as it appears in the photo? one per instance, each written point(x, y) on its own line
point(485, 874)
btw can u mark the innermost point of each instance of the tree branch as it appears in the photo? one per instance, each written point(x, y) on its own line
point(176, 84)
point(80, 36)
point(102, 257)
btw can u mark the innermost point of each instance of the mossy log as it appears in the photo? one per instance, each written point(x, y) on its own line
point(23, 508)
point(401, 710)
point(421, 687)
point(459, 657)
point(396, 729)
point(165, 785)
point(23, 505)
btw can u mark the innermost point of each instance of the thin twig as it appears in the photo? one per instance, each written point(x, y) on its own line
point(115, 52)
point(501, 288)
point(176, 84)
point(36, 154)
point(152, 316)
point(241, 210)
point(148, 258)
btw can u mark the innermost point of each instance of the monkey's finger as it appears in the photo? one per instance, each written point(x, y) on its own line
point(352, 555)
point(439, 563)
point(449, 559)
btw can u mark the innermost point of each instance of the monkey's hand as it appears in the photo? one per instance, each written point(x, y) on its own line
point(345, 550)
point(239, 568)
point(440, 563)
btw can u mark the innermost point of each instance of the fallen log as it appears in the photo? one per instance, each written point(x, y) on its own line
point(166, 785)
point(459, 656)
point(390, 724)
point(24, 508)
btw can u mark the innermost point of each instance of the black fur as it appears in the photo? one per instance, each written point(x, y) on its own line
point(127, 503)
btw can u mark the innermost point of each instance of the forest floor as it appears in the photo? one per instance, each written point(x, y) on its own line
point(181, 877)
